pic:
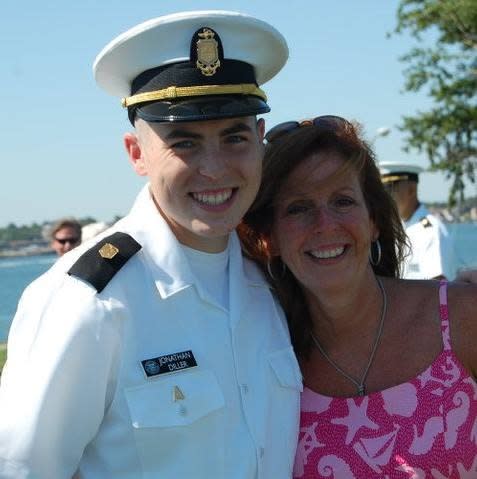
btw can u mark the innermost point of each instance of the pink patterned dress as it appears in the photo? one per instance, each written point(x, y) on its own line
point(425, 428)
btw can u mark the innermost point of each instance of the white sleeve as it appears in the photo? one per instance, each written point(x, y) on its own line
point(63, 352)
point(447, 253)
point(433, 258)
point(440, 257)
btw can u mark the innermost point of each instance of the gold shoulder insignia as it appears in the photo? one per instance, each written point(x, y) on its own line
point(425, 222)
point(99, 264)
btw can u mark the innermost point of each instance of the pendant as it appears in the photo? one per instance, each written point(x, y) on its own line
point(361, 390)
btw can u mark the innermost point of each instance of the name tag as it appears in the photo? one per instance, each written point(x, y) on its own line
point(168, 363)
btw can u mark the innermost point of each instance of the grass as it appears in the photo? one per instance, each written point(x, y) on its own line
point(3, 355)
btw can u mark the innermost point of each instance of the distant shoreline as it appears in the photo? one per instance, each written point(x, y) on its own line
point(24, 253)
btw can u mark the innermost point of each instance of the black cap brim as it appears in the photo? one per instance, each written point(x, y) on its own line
point(199, 109)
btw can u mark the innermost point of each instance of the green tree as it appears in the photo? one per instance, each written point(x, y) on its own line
point(447, 71)
point(12, 232)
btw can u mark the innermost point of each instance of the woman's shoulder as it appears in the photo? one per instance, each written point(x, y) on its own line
point(461, 298)
point(416, 304)
point(463, 294)
point(462, 307)
point(423, 290)
point(462, 304)
point(413, 294)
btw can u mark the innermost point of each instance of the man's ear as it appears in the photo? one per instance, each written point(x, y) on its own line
point(134, 151)
point(261, 128)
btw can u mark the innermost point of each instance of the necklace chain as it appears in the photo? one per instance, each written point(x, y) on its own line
point(359, 384)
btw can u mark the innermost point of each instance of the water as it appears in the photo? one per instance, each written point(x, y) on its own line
point(464, 236)
point(17, 273)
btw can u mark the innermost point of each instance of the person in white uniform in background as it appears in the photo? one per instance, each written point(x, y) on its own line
point(432, 253)
point(157, 350)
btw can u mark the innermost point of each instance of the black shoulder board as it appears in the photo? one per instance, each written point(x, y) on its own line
point(425, 222)
point(99, 264)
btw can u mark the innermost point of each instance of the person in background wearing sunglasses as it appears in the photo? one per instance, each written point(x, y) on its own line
point(65, 235)
point(389, 365)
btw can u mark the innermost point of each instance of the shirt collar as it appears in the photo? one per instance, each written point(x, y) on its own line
point(164, 255)
point(417, 216)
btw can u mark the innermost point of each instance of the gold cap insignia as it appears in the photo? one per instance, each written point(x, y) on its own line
point(207, 53)
point(108, 251)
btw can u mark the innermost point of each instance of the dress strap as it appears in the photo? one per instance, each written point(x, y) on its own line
point(444, 314)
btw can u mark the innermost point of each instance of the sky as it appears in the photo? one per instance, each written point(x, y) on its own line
point(62, 152)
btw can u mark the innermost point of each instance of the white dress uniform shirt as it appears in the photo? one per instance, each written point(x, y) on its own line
point(432, 252)
point(74, 396)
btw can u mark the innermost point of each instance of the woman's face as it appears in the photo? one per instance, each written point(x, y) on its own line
point(322, 229)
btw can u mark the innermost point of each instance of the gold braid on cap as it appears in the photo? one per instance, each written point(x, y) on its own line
point(174, 92)
point(391, 178)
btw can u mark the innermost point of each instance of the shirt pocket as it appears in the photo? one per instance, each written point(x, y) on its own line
point(285, 366)
point(174, 400)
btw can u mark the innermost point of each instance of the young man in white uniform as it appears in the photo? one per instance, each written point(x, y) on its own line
point(157, 350)
point(432, 253)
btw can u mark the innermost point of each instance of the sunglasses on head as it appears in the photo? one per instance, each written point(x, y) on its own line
point(67, 240)
point(329, 121)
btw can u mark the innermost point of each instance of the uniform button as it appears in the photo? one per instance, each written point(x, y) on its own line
point(262, 452)
point(182, 410)
point(245, 388)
